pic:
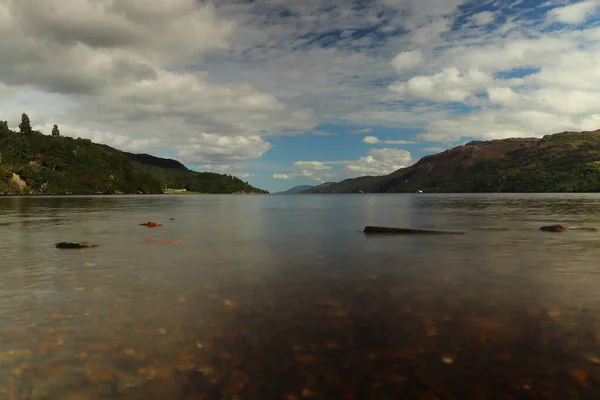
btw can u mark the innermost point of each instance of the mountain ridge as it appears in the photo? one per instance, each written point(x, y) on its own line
point(561, 162)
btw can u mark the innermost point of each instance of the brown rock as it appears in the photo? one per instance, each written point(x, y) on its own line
point(554, 228)
point(580, 375)
point(151, 224)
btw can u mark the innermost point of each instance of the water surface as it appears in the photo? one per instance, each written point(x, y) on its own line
point(282, 297)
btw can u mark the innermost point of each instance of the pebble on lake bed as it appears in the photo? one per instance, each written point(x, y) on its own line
point(151, 224)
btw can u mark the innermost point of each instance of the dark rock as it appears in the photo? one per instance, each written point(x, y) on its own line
point(382, 229)
point(554, 228)
point(75, 245)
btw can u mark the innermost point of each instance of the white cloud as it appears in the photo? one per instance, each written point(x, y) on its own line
point(215, 149)
point(283, 176)
point(506, 123)
point(407, 60)
point(483, 18)
point(378, 162)
point(376, 140)
point(448, 85)
point(574, 13)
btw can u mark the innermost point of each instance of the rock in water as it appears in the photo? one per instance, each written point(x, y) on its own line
point(554, 228)
point(151, 224)
point(383, 229)
point(74, 245)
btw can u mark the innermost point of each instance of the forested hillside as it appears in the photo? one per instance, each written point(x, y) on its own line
point(34, 163)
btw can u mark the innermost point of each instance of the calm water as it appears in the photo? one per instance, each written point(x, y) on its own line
point(281, 297)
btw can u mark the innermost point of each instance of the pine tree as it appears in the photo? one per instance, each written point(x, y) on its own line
point(55, 131)
point(25, 125)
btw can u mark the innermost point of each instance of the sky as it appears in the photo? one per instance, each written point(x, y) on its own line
point(283, 93)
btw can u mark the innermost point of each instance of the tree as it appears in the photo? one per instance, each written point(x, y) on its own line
point(55, 131)
point(25, 125)
point(3, 128)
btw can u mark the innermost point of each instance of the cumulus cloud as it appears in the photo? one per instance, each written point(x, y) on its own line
point(449, 85)
point(574, 13)
point(378, 162)
point(215, 149)
point(376, 140)
point(407, 60)
point(284, 176)
point(483, 18)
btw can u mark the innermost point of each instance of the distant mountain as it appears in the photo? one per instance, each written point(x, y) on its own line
point(296, 189)
point(563, 162)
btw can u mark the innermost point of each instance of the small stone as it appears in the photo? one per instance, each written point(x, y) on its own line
point(593, 359)
point(553, 313)
point(579, 375)
point(129, 352)
point(448, 358)
point(128, 382)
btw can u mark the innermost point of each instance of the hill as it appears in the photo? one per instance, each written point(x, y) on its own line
point(296, 189)
point(563, 162)
point(34, 163)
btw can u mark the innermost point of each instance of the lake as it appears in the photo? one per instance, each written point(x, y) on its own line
point(283, 297)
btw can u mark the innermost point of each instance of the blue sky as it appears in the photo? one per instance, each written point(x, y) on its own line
point(284, 93)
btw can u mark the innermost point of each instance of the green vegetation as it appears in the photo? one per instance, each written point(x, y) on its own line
point(564, 162)
point(199, 182)
point(55, 164)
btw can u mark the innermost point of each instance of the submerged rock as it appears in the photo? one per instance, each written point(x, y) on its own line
point(562, 228)
point(554, 228)
point(383, 229)
point(75, 245)
point(151, 224)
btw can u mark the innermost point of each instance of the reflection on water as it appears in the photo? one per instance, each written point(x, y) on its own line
point(280, 297)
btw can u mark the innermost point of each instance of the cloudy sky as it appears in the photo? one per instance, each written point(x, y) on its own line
point(283, 92)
